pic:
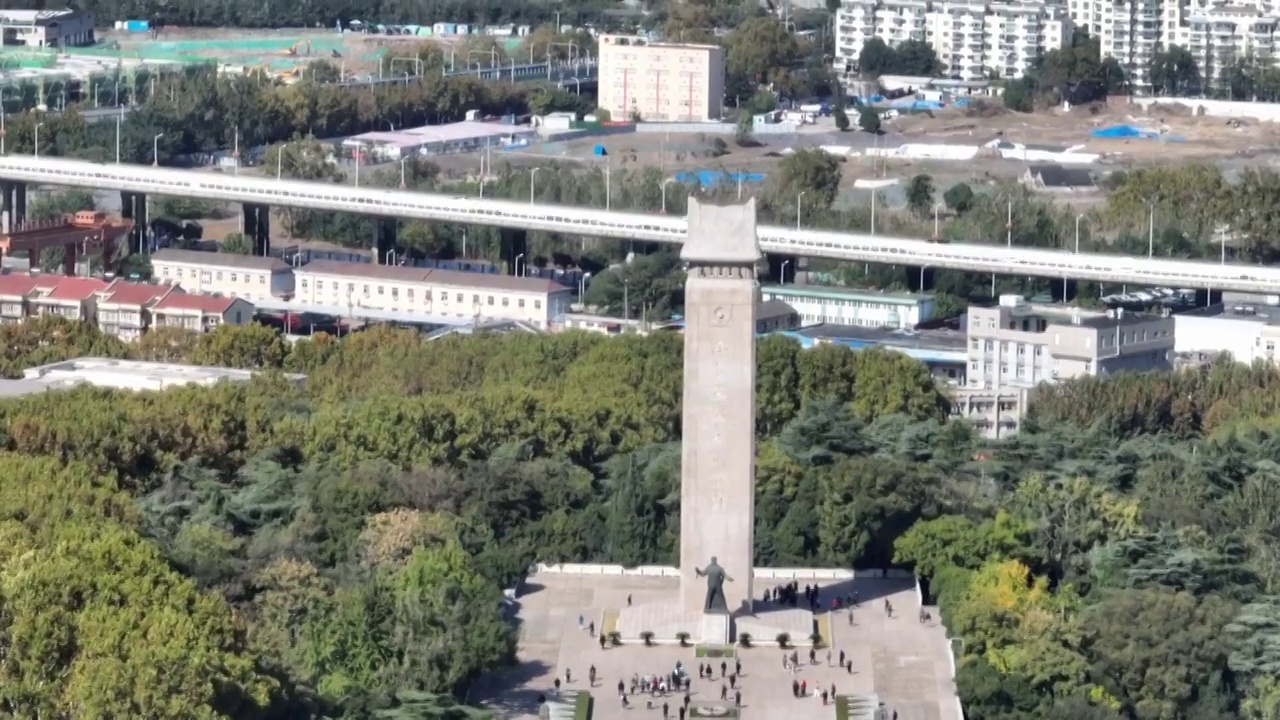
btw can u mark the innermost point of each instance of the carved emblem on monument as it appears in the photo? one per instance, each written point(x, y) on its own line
point(720, 316)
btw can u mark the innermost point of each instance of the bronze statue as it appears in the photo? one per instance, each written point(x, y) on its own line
point(715, 575)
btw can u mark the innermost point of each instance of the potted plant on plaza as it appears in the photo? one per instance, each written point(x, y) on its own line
point(744, 639)
point(647, 637)
point(783, 640)
point(683, 637)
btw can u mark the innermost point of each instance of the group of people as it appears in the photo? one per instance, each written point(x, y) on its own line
point(660, 687)
point(791, 595)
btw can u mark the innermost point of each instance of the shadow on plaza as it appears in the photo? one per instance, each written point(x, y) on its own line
point(869, 590)
point(510, 693)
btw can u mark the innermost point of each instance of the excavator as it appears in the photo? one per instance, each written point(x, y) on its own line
point(293, 49)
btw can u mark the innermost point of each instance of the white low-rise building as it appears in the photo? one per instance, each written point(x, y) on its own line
point(250, 277)
point(1247, 332)
point(123, 375)
point(844, 306)
point(345, 288)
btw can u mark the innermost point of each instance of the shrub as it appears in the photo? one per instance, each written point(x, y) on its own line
point(683, 637)
point(647, 637)
point(744, 639)
point(816, 639)
point(615, 638)
point(783, 639)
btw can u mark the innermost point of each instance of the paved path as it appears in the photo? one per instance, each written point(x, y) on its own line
point(896, 658)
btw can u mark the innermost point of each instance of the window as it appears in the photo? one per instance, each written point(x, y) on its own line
point(537, 304)
point(475, 299)
point(319, 284)
point(165, 272)
point(521, 302)
point(505, 302)
point(409, 294)
point(304, 284)
point(490, 300)
point(262, 280)
point(380, 290)
point(234, 278)
point(219, 275)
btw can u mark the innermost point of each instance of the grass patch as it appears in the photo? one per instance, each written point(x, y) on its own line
point(824, 629)
point(713, 651)
point(842, 707)
point(609, 622)
point(583, 704)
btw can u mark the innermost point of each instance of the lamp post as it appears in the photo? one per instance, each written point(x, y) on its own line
point(533, 178)
point(402, 182)
point(155, 150)
point(798, 206)
point(280, 161)
point(1078, 218)
point(936, 234)
point(518, 257)
point(582, 286)
point(626, 302)
point(664, 194)
point(37, 145)
point(783, 272)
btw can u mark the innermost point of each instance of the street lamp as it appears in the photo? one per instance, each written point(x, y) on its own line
point(37, 150)
point(936, 235)
point(280, 161)
point(518, 257)
point(155, 150)
point(582, 286)
point(1078, 218)
point(664, 194)
point(783, 272)
point(402, 183)
point(798, 199)
point(533, 177)
point(626, 301)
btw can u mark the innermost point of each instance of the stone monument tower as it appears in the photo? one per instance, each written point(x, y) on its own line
point(717, 484)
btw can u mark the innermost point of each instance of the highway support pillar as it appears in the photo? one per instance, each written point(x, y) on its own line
point(133, 206)
point(919, 279)
point(256, 225)
point(384, 240)
point(1064, 290)
point(13, 205)
point(515, 247)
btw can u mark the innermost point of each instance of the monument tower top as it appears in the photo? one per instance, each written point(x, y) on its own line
point(721, 234)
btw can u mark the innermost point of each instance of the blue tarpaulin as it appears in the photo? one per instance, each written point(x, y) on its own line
point(1124, 131)
point(711, 178)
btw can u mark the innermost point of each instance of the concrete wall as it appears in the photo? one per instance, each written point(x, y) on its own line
point(1269, 112)
point(829, 574)
point(715, 128)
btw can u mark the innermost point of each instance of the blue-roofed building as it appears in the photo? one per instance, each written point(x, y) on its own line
point(855, 308)
point(943, 351)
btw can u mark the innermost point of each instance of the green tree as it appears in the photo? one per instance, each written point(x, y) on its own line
point(236, 244)
point(959, 198)
point(920, 191)
point(869, 120)
point(841, 118)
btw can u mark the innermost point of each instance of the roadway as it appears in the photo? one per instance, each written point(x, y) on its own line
point(594, 222)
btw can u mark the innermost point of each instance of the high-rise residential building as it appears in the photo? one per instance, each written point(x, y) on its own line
point(660, 81)
point(973, 38)
point(1218, 34)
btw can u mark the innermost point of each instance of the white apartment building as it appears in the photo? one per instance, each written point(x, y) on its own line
point(1218, 34)
point(660, 81)
point(1016, 345)
point(238, 276)
point(972, 38)
point(46, 28)
point(444, 293)
point(859, 308)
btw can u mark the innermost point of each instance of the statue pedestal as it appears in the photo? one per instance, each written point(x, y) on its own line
point(715, 629)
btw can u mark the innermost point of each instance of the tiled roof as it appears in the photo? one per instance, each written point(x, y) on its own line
point(75, 288)
point(203, 303)
point(449, 278)
point(12, 285)
point(124, 292)
point(212, 259)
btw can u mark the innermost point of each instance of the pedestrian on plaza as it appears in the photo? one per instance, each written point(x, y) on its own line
point(786, 664)
point(828, 658)
point(733, 681)
point(795, 658)
point(833, 692)
point(591, 629)
point(591, 676)
point(557, 684)
point(841, 658)
point(813, 656)
point(687, 699)
point(723, 667)
point(724, 691)
point(850, 667)
point(625, 703)
point(568, 676)
point(601, 641)
point(824, 697)
point(622, 688)
point(737, 667)
point(628, 601)
point(665, 711)
point(737, 699)
point(804, 688)
point(682, 712)
point(795, 687)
